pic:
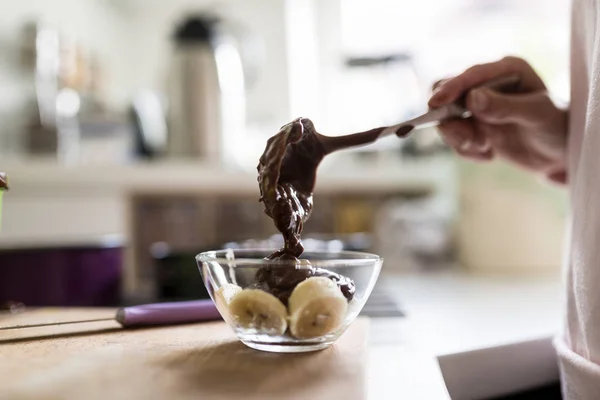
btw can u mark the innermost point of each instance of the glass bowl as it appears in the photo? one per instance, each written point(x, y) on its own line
point(287, 307)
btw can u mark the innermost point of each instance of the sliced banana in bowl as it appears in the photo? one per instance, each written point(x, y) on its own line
point(258, 310)
point(317, 307)
point(223, 297)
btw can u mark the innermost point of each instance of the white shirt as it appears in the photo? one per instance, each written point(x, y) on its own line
point(579, 346)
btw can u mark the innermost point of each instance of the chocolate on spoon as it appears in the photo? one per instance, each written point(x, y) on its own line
point(287, 173)
point(286, 177)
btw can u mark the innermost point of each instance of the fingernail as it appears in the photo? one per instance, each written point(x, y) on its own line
point(466, 145)
point(483, 146)
point(479, 100)
point(438, 96)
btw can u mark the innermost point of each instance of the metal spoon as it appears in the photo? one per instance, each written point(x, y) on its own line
point(432, 117)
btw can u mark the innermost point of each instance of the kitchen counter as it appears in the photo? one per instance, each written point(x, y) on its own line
point(51, 202)
point(99, 360)
point(446, 313)
point(449, 313)
point(156, 177)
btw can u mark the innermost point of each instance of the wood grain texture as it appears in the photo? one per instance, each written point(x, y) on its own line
point(198, 361)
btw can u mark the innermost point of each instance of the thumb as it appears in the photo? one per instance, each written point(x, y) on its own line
point(499, 108)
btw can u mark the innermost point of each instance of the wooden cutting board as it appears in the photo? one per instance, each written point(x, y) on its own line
point(197, 361)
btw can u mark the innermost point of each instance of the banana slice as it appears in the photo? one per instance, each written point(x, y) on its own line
point(317, 308)
point(223, 297)
point(257, 309)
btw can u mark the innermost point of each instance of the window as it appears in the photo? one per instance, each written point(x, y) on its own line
point(432, 39)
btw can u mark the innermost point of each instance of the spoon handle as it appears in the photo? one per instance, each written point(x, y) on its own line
point(453, 110)
point(457, 109)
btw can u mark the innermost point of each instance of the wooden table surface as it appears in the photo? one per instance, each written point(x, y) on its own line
point(103, 361)
point(446, 313)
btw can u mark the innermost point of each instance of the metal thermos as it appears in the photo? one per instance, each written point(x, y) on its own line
point(207, 109)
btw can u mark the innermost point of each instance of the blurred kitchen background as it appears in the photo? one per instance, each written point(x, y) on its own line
point(131, 129)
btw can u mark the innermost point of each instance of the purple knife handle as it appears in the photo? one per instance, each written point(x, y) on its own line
point(168, 313)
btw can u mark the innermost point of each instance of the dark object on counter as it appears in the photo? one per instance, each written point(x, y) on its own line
point(280, 282)
point(177, 278)
point(41, 140)
point(82, 275)
point(549, 392)
point(3, 181)
point(149, 123)
point(150, 315)
point(12, 307)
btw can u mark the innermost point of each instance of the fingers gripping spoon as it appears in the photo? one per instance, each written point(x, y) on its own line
point(432, 117)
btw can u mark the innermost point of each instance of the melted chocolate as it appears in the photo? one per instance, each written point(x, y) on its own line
point(286, 176)
point(287, 173)
point(404, 130)
point(281, 281)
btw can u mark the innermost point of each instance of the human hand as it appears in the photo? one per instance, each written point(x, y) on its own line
point(524, 127)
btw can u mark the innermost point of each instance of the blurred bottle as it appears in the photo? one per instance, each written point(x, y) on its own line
point(207, 104)
point(41, 52)
point(52, 128)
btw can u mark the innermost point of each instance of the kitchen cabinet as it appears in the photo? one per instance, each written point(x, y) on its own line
point(62, 274)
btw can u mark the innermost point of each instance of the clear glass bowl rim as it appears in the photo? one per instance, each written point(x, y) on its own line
point(346, 258)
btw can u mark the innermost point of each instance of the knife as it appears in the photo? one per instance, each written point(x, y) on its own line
point(150, 314)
